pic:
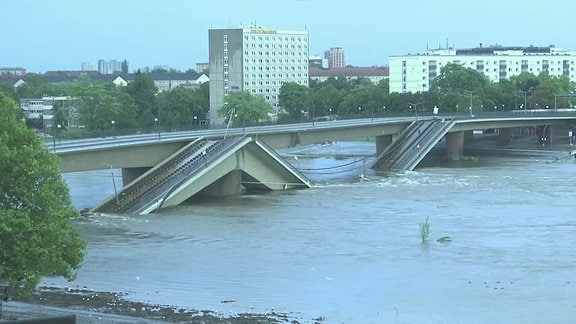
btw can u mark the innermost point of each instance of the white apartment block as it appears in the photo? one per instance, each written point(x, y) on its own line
point(109, 67)
point(415, 72)
point(43, 108)
point(12, 71)
point(257, 60)
point(87, 67)
point(336, 57)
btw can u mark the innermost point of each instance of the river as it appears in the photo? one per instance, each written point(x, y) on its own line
point(349, 249)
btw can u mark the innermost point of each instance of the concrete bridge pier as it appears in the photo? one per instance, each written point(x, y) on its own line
point(455, 145)
point(468, 136)
point(130, 174)
point(382, 142)
point(505, 136)
point(228, 185)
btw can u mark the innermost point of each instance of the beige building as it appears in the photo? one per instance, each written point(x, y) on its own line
point(375, 74)
point(257, 60)
point(415, 72)
point(336, 57)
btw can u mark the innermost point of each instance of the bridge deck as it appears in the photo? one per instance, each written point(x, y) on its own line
point(413, 144)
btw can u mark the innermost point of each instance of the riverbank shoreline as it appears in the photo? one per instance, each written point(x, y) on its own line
point(111, 307)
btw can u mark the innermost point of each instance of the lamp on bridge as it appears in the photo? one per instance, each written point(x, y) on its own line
point(157, 122)
point(56, 132)
point(413, 105)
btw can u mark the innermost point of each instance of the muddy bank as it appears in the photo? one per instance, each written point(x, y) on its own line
point(88, 304)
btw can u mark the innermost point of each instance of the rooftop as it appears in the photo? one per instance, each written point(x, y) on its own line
point(350, 71)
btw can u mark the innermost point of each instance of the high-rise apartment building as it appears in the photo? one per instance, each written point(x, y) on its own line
point(415, 72)
point(257, 60)
point(109, 67)
point(336, 57)
point(87, 67)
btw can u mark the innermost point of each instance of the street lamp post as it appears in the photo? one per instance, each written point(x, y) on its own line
point(113, 128)
point(113, 181)
point(525, 97)
point(196, 122)
point(302, 116)
point(372, 105)
point(383, 110)
point(410, 105)
point(359, 111)
point(56, 131)
point(471, 98)
point(313, 112)
point(555, 101)
point(156, 121)
point(232, 113)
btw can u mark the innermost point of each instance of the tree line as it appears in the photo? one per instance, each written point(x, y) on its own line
point(103, 106)
point(456, 89)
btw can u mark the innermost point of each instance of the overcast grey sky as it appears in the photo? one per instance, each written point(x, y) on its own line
point(42, 35)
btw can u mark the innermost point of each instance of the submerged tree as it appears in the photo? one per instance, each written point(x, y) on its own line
point(36, 234)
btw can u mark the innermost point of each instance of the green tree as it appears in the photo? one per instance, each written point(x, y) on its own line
point(358, 101)
point(245, 108)
point(97, 104)
point(181, 106)
point(35, 88)
point(327, 99)
point(295, 99)
point(143, 92)
point(8, 89)
point(457, 88)
point(36, 234)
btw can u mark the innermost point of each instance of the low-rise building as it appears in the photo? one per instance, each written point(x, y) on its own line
point(163, 81)
point(169, 81)
point(12, 71)
point(375, 74)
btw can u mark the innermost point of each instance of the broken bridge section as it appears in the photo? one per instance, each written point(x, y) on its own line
point(209, 168)
point(413, 144)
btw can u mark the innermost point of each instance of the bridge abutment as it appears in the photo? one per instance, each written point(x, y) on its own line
point(382, 142)
point(455, 145)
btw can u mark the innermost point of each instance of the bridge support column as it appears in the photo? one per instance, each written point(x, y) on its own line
point(382, 142)
point(468, 136)
point(130, 174)
point(505, 136)
point(455, 145)
point(228, 185)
